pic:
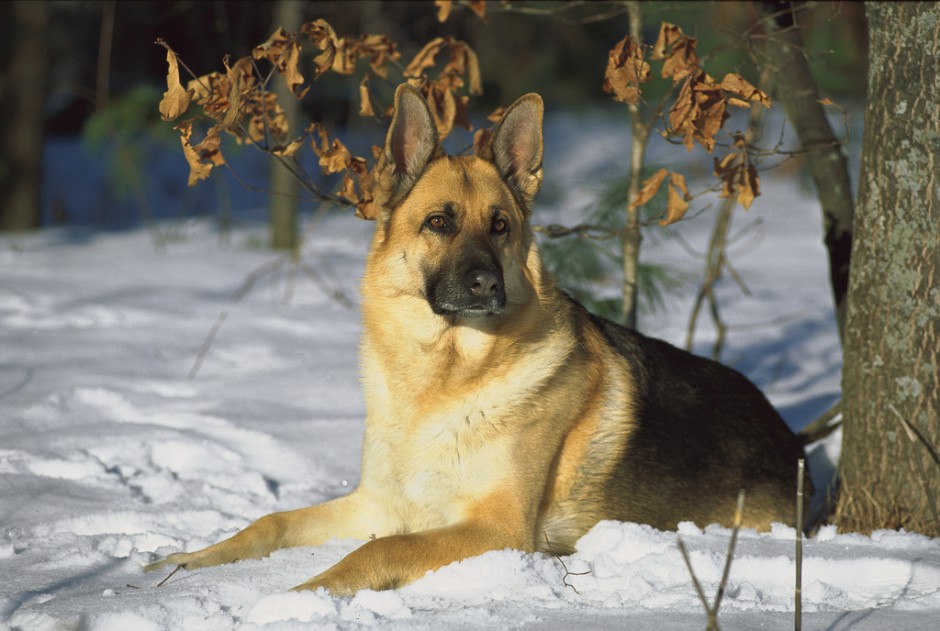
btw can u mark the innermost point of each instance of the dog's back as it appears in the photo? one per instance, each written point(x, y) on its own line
point(692, 433)
point(703, 432)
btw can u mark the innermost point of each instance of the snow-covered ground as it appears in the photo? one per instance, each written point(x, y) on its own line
point(145, 410)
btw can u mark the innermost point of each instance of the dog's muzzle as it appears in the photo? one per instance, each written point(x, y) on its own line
point(475, 292)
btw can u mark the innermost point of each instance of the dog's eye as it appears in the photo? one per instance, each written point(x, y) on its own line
point(437, 223)
point(500, 226)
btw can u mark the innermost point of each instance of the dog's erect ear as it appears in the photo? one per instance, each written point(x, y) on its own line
point(411, 140)
point(516, 146)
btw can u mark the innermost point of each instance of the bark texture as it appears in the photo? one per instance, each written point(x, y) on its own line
point(892, 339)
point(285, 190)
point(796, 90)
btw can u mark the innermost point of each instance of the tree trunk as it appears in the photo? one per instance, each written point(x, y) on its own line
point(284, 187)
point(796, 90)
point(892, 339)
point(22, 100)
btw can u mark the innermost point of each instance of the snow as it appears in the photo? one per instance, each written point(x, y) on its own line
point(110, 454)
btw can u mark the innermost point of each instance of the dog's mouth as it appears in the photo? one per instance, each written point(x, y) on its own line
point(469, 311)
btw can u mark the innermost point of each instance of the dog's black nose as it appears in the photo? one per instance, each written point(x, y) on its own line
point(483, 283)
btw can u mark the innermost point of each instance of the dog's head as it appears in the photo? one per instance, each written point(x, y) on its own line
point(454, 230)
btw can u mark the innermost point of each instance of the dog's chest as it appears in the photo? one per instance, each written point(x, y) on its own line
point(439, 467)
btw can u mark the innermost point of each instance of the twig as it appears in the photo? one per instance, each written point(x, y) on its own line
point(557, 557)
point(255, 276)
point(798, 590)
point(820, 428)
point(712, 610)
point(738, 513)
point(170, 575)
point(324, 286)
point(695, 583)
point(914, 435)
point(717, 259)
point(631, 238)
point(714, 265)
point(204, 349)
point(923, 439)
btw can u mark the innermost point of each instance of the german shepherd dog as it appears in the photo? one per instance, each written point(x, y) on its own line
point(500, 413)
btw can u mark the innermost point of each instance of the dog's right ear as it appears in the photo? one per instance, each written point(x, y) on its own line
point(409, 146)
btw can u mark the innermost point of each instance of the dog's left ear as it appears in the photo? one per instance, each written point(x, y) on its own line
point(516, 147)
point(411, 142)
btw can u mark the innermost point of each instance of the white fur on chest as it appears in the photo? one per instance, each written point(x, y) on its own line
point(434, 470)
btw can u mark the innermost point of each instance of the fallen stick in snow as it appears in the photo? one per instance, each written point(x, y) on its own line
point(712, 610)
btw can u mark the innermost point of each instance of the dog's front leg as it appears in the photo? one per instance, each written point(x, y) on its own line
point(354, 516)
point(392, 561)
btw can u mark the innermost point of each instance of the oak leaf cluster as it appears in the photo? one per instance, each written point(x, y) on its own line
point(239, 103)
point(697, 113)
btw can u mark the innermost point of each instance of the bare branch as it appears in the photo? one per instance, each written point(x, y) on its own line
point(203, 351)
point(913, 435)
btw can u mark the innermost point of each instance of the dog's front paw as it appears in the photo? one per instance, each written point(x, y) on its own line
point(178, 559)
point(339, 581)
point(334, 586)
point(192, 560)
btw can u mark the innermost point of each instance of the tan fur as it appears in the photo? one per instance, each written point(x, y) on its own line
point(481, 433)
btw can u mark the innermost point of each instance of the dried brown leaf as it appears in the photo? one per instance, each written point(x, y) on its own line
point(425, 58)
point(290, 149)
point(380, 50)
point(738, 178)
point(211, 92)
point(443, 9)
point(676, 206)
point(678, 180)
point(625, 71)
point(479, 7)
point(443, 107)
point(749, 188)
point(198, 170)
point(240, 80)
point(266, 116)
point(496, 115)
point(365, 101)
point(711, 113)
point(348, 190)
point(677, 50)
point(273, 49)
point(367, 208)
point(339, 54)
point(698, 112)
point(481, 141)
point(827, 102)
point(322, 35)
point(176, 99)
point(473, 72)
point(649, 189)
point(334, 157)
point(682, 114)
point(209, 148)
point(736, 84)
point(462, 63)
point(669, 34)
